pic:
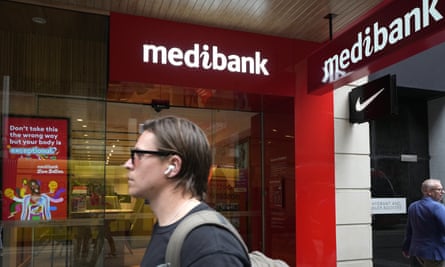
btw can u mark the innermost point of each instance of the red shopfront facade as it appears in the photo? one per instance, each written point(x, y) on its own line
point(390, 33)
point(145, 50)
point(153, 51)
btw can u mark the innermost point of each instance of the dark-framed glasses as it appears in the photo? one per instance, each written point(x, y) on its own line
point(135, 151)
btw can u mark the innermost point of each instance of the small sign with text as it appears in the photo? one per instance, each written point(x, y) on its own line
point(393, 205)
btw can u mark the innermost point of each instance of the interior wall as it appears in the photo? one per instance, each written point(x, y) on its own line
point(409, 74)
point(52, 64)
point(436, 128)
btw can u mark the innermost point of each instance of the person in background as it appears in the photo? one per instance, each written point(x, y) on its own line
point(169, 167)
point(425, 229)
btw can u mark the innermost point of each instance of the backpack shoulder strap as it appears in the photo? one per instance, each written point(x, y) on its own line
point(192, 221)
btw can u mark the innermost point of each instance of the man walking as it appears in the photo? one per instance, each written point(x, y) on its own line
point(425, 229)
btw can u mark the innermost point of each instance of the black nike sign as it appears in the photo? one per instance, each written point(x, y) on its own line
point(373, 100)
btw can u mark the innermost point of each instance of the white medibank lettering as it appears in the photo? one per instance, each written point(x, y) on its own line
point(376, 37)
point(205, 57)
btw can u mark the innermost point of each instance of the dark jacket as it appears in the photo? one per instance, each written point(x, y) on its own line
point(425, 230)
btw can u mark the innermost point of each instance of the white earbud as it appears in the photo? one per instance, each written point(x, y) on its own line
point(169, 169)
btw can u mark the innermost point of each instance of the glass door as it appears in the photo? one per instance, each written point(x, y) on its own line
point(229, 133)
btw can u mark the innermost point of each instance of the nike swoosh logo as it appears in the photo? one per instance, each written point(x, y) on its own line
point(361, 106)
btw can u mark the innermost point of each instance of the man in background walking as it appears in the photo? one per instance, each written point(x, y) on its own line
point(425, 229)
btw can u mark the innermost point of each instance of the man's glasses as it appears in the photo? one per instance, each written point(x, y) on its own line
point(439, 189)
point(151, 152)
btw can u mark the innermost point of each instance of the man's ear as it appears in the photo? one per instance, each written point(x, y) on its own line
point(175, 161)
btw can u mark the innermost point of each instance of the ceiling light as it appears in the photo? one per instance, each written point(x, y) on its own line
point(39, 20)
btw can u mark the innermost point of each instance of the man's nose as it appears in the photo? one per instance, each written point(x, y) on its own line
point(128, 165)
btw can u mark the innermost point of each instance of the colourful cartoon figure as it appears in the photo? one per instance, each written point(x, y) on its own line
point(54, 192)
point(16, 207)
point(13, 208)
point(36, 205)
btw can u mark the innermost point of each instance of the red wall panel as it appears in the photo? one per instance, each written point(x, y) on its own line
point(314, 176)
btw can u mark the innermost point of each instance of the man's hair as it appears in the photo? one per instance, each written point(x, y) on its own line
point(428, 184)
point(185, 139)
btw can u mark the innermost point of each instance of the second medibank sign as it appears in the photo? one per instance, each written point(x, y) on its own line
point(394, 26)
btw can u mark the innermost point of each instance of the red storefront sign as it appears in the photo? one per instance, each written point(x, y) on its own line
point(396, 31)
point(35, 168)
point(155, 51)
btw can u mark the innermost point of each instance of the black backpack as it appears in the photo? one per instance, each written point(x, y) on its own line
point(173, 253)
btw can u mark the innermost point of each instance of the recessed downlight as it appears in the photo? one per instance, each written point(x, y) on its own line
point(39, 20)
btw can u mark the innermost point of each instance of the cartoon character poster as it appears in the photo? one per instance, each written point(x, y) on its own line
point(34, 168)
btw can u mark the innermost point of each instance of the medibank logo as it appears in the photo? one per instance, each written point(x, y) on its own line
point(205, 57)
point(377, 37)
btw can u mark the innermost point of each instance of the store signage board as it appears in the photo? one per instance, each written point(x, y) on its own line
point(35, 171)
point(203, 57)
point(393, 205)
point(148, 50)
point(373, 100)
point(377, 41)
